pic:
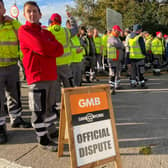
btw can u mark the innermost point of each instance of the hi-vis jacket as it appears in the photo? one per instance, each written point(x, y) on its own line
point(104, 44)
point(63, 35)
point(9, 45)
point(75, 44)
point(157, 46)
point(135, 49)
point(115, 48)
point(148, 43)
point(98, 44)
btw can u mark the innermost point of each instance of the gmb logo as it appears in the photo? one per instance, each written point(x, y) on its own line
point(89, 117)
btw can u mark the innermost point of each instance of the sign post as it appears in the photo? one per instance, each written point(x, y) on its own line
point(87, 124)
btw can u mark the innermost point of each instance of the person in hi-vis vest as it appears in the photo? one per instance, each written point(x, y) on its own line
point(77, 57)
point(63, 35)
point(115, 55)
point(99, 50)
point(137, 55)
point(9, 74)
point(158, 50)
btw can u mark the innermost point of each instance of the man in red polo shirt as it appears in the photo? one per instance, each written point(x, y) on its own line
point(40, 49)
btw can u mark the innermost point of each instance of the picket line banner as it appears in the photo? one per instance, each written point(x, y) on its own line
point(88, 116)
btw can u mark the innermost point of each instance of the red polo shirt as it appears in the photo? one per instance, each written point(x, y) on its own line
point(40, 49)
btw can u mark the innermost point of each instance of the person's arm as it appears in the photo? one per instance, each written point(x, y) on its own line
point(57, 47)
point(142, 45)
point(116, 43)
point(74, 26)
point(83, 41)
point(38, 43)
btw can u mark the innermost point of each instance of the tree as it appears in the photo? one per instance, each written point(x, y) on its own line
point(150, 13)
point(92, 12)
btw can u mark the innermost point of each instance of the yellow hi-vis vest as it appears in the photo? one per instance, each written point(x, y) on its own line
point(63, 36)
point(157, 46)
point(98, 44)
point(148, 43)
point(104, 43)
point(135, 50)
point(9, 45)
point(111, 51)
point(75, 43)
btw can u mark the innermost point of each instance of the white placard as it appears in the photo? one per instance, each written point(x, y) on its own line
point(94, 142)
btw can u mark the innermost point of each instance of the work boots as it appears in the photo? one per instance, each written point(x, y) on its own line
point(133, 83)
point(47, 144)
point(3, 134)
point(20, 123)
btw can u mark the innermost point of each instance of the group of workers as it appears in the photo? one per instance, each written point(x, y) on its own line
point(137, 51)
point(56, 56)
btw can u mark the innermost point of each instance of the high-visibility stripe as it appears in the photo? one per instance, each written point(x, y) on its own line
point(40, 125)
point(2, 120)
point(15, 115)
point(8, 59)
point(8, 43)
point(53, 117)
point(48, 124)
point(17, 110)
point(41, 133)
point(66, 54)
point(136, 52)
point(74, 46)
point(67, 39)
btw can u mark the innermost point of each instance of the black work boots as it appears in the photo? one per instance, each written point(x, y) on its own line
point(3, 134)
point(20, 123)
point(47, 144)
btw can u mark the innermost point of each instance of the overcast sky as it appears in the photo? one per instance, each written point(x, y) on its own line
point(47, 8)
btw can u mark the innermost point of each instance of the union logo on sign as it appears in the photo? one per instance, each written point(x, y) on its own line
point(89, 117)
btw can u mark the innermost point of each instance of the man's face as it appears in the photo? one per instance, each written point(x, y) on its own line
point(160, 35)
point(95, 32)
point(90, 32)
point(68, 25)
point(82, 31)
point(116, 31)
point(32, 14)
point(2, 9)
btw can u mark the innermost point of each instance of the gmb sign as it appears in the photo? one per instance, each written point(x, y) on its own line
point(87, 114)
point(92, 127)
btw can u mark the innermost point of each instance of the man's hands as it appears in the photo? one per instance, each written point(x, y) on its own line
point(68, 13)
